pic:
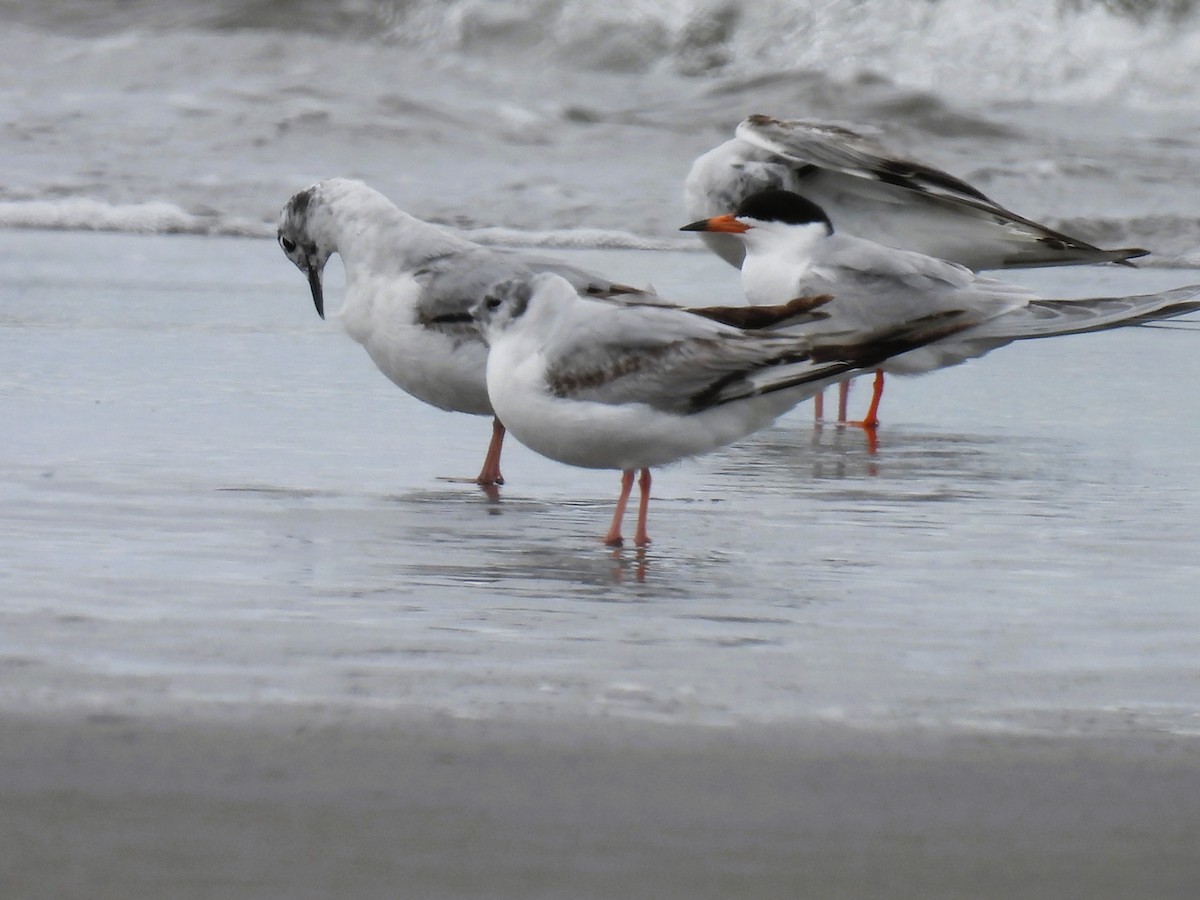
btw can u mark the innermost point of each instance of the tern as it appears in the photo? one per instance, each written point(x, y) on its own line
point(792, 249)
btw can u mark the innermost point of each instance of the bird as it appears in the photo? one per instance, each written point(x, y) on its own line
point(873, 193)
point(410, 286)
point(596, 383)
point(792, 249)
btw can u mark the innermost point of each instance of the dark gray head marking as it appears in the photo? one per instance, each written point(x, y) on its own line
point(293, 229)
point(298, 205)
point(512, 295)
point(299, 246)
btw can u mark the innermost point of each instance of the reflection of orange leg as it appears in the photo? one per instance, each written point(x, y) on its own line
point(490, 473)
point(872, 440)
point(819, 407)
point(613, 538)
point(640, 537)
point(843, 399)
point(870, 422)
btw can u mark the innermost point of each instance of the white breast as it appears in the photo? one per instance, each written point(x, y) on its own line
point(441, 366)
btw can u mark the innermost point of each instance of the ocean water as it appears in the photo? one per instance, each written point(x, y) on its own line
point(212, 501)
point(567, 122)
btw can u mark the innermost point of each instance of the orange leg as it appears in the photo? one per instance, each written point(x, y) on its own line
point(613, 538)
point(819, 407)
point(843, 400)
point(490, 473)
point(871, 420)
point(640, 537)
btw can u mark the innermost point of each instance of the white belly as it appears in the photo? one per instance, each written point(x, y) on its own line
point(597, 435)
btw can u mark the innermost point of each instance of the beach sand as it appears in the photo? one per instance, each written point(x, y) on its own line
point(299, 806)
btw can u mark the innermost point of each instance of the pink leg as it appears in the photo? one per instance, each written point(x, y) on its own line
point(613, 538)
point(640, 537)
point(819, 407)
point(843, 400)
point(490, 473)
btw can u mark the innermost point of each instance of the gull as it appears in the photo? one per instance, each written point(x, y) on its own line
point(599, 384)
point(872, 193)
point(792, 249)
point(410, 286)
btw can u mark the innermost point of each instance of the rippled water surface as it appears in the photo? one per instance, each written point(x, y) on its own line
point(211, 497)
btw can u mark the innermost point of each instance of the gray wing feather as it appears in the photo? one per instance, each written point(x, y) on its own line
point(668, 364)
point(454, 281)
point(835, 146)
point(828, 158)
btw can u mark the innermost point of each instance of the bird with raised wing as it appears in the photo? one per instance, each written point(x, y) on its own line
point(873, 193)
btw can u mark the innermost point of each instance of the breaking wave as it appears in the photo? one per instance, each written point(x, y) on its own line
point(1143, 51)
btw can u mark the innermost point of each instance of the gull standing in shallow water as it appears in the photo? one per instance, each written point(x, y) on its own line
point(621, 385)
point(791, 250)
point(872, 193)
point(410, 287)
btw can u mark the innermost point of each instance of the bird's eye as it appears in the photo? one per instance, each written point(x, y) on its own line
point(493, 302)
point(287, 244)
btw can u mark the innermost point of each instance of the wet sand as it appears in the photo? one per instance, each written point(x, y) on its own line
point(299, 806)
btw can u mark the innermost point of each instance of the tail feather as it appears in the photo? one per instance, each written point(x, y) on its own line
point(1047, 318)
point(828, 361)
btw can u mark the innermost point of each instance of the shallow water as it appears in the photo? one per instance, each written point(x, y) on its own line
point(212, 501)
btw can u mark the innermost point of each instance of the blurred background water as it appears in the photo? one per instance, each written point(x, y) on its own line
point(574, 123)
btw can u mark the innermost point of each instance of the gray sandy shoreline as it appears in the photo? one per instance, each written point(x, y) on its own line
point(299, 806)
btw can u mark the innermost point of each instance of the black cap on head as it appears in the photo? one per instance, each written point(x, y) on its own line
point(782, 206)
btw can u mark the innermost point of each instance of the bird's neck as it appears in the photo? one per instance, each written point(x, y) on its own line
point(373, 236)
point(771, 276)
point(775, 269)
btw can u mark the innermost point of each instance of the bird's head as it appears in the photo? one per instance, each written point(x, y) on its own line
point(304, 239)
point(772, 211)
